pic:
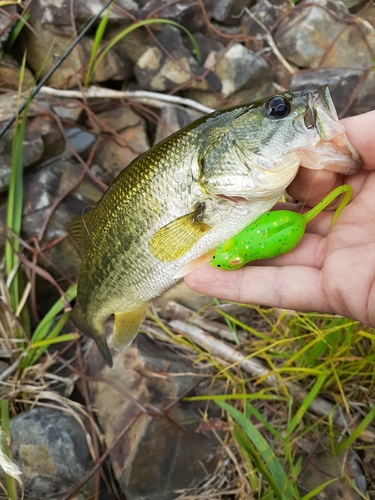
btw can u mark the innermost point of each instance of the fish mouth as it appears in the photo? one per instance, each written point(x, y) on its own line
point(332, 149)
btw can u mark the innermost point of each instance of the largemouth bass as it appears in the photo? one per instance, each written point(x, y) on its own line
point(172, 206)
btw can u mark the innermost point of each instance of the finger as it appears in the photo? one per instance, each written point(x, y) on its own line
point(291, 287)
point(309, 252)
point(311, 186)
point(360, 132)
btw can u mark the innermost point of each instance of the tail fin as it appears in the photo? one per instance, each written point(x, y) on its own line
point(96, 334)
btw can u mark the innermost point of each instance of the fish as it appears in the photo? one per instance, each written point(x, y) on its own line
point(166, 213)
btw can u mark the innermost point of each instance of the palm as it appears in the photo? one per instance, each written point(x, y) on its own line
point(348, 261)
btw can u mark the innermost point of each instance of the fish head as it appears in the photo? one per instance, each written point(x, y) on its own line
point(254, 151)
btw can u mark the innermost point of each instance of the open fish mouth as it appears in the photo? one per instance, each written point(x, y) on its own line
point(331, 149)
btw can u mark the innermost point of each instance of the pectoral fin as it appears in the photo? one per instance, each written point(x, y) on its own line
point(173, 240)
point(195, 264)
point(127, 325)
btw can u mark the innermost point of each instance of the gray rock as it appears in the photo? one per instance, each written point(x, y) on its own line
point(129, 139)
point(57, 15)
point(42, 51)
point(158, 72)
point(160, 453)
point(10, 74)
point(184, 12)
point(239, 67)
point(324, 34)
point(355, 6)
point(7, 20)
point(173, 119)
point(353, 91)
point(50, 448)
point(41, 188)
point(322, 467)
point(368, 14)
point(229, 11)
point(267, 12)
point(42, 140)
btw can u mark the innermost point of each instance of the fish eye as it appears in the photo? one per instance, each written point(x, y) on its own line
point(278, 107)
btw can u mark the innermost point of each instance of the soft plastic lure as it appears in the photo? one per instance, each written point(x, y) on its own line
point(273, 233)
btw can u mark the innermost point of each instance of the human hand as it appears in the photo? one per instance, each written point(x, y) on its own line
point(333, 268)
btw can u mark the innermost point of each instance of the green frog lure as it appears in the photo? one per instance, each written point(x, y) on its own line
point(273, 233)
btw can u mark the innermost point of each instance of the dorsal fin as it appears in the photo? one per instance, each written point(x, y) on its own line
point(79, 230)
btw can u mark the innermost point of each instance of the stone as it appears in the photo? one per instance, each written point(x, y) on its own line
point(173, 119)
point(239, 67)
point(42, 52)
point(355, 6)
point(129, 139)
point(353, 91)
point(325, 34)
point(50, 448)
point(42, 140)
point(41, 188)
point(183, 12)
point(8, 18)
point(164, 445)
point(157, 71)
point(10, 74)
point(229, 11)
point(57, 15)
point(323, 467)
point(267, 12)
point(368, 14)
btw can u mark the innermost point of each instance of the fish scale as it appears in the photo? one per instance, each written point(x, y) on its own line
point(167, 212)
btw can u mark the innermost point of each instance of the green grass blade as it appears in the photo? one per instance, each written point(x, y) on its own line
point(15, 196)
point(272, 463)
point(247, 447)
point(133, 27)
point(36, 349)
point(99, 34)
point(253, 411)
point(14, 34)
point(357, 431)
point(46, 323)
point(306, 403)
point(318, 489)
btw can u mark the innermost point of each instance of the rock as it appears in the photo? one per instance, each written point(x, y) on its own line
point(80, 140)
point(50, 448)
point(229, 11)
point(41, 188)
point(165, 446)
point(42, 52)
point(57, 15)
point(306, 37)
point(353, 91)
point(266, 12)
point(42, 139)
point(157, 71)
point(173, 119)
point(239, 67)
point(355, 6)
point(184, 12)
point(322, 468)
point(10, 74)
point(128, 141)
point(369, 14)
point(8, 18)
